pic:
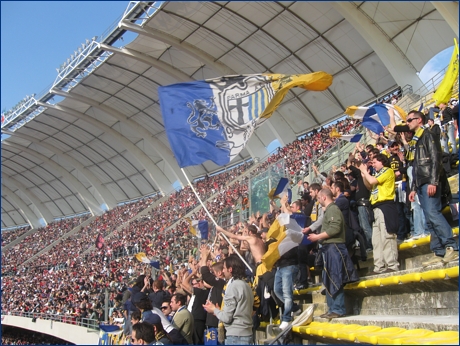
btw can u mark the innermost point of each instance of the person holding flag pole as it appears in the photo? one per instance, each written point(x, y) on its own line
point(215, 223)
point(213, 119)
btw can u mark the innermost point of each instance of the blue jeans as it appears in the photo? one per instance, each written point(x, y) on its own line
point(365, 225)
point(451, 136)
point(420, 226)
point(284, 286)
point(336, 303)
point(440, 230)
point(239, 340)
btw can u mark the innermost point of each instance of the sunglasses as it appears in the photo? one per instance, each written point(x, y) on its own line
point(408, 120)
point(163, 307)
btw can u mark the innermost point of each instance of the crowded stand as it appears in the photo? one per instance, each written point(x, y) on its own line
point(17, 336)
point(35, 242)
point(9, 236)
point(68, 283)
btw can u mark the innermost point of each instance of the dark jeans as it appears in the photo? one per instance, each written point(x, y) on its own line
point(440, 230)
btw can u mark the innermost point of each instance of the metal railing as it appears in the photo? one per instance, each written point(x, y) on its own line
point(68, 319)
point(412, 99)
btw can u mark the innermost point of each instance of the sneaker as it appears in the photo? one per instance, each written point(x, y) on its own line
point(434, 260)
point(299, 287)
point(284, 325)
point(415, 237)
point(451, 255)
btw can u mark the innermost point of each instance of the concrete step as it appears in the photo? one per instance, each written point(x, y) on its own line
point(420, 291)
point(391, 330)
point(436, 324)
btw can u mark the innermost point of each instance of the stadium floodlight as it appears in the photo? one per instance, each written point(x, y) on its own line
point(87, 42)
point(68, 61)
point(94, 38)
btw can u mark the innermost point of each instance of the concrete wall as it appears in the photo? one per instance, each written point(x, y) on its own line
point(74, 334)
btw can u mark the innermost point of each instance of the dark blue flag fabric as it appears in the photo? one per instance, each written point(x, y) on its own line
point(213, 119)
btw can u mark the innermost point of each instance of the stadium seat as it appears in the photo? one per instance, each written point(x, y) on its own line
point(306, 329)
point(396, 340)
point(411, 277)
point(434, 274)
point(372, 338)
point(333, 332)
point(439, 338)
point(391, 280)
point(452, 272)
point(350, 332)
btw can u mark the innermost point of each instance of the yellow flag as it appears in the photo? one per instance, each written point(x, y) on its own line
point(192, 229)
point(444, 91)
point(275, 230)
point(316, 81)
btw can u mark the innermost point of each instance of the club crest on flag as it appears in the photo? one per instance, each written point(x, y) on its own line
point(213, 119)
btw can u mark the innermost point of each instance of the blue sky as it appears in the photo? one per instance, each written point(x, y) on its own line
point(38, 36)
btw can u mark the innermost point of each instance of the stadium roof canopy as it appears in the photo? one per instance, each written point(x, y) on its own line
point(97, 138)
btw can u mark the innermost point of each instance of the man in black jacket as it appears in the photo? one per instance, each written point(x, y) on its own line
point(427, 171)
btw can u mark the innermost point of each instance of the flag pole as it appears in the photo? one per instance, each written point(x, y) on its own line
point(212, 219)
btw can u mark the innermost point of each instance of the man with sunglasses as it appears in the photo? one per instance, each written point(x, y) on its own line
point(427, 171)
point(166, 309)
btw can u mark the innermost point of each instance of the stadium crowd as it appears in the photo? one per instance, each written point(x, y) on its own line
point(9, 236)
point(18, 336)
point(69, 280)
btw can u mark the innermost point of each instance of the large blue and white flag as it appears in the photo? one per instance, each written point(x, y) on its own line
point(214, 119)
point(376, 117)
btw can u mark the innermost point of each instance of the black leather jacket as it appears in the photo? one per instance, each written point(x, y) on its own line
point(427, 161)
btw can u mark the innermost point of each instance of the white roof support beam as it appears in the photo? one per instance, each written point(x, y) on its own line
point(158, 64)
point(45, 213)
point(449, 11)
point(393, 58)
point(102, 190)
point(281, 129)
point(156, 175)
point(163, 151)
point(176, 43)
point(256, 148)
point(29, 215)
point(87, 198)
